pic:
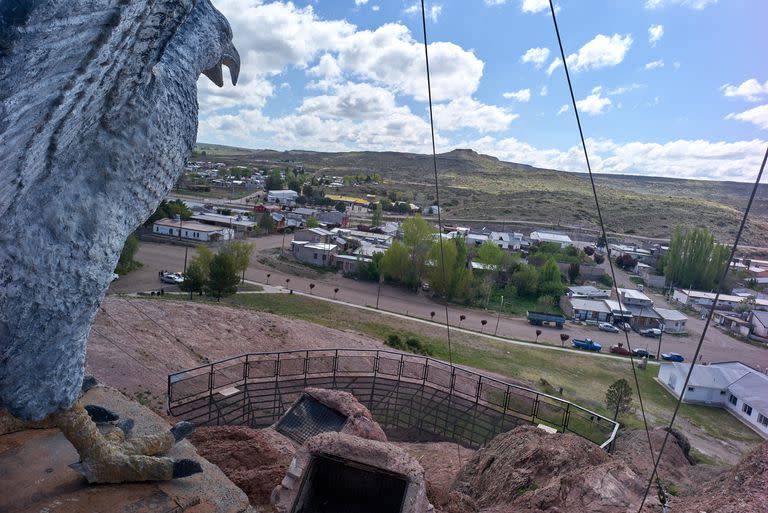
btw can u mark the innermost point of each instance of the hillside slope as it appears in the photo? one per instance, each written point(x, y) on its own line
point(481, 187)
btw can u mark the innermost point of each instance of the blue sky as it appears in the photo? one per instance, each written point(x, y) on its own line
point(665, 87)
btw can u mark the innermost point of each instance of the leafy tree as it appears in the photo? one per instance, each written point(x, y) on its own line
point(618, 398)
point(378, 218)
point(340, 206)
point(266, 224)
point(545, 303)
point(294, 183)
point(599, 258)
point(418, 236)
point(169, 210)
point(526, 281)
point(222, 276)
point(312, 222)
point(307, 190)
point(550, 272)
point(694, 259)
point(396, 263)
point(195, 278)
point(573, 272)
point(746, 305)
point(126, 263)
point(589, 250)
point(274, 181)
point(240, 253)
point(626, 261)
point(491, 254)
point(448, 275)
point(371, 271)
point(606, 280)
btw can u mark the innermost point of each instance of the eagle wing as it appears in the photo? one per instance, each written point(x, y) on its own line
point(59, 57)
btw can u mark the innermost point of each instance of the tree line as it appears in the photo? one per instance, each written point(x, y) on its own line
point(217, 274)
point(419, 260)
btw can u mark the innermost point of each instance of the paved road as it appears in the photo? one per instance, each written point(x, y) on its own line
point(717, 345)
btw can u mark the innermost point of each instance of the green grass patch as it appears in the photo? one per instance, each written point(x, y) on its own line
point(637, 280)
point(583, 378)
point(249, 287)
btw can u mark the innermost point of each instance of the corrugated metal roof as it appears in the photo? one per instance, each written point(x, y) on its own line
point(753, 390)
point(671, 315)
point(715, 375)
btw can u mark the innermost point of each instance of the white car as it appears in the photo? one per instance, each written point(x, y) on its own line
point(607, 326)
point(172, 278)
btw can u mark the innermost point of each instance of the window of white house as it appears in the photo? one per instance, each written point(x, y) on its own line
point(314, 256)
point(762, 419)
point(733, 400)
point(747, 409)
point(691, 389)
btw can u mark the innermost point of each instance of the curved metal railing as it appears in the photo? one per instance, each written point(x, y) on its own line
point(413, 397)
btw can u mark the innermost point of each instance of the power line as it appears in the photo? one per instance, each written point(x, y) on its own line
point(706, 325)
point(437, 186)
point(602, 225)
point(129, 355)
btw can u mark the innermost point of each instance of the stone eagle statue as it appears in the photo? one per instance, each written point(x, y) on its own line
point(98, 112)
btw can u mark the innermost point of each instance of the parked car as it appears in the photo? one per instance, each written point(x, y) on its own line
point(672, 357)
point(624, 326)
point(620, 349)
point(587, 344)
point(639, 353)
point(607, 326)
point(651, 332)
point(172, 278)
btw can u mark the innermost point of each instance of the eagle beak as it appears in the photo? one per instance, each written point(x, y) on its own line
point(230, 59)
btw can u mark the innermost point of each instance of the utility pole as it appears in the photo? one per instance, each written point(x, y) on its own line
point(499, 317)
point(378, 291)
point(658, 351)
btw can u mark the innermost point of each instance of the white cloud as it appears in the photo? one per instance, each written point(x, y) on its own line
point(554, 65)
point(375, 8)
point(544, 90)
point(623, 89)
point(654, 34)
point(594, 103)
point(495, 2)
point(676, 65)
point(360, 2)
point(563, 109)
point(534, 5)
point(523, 95)
point(693, 4)
point(600, 52)
point(757, 116)
point(469, 113)
point(433, 12)
point(655, 64)
point(537, 55)
point(681, 159)
point(750, 90)
point(391, 57)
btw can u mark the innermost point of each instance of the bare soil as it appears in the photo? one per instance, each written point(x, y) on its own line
point(136, 343)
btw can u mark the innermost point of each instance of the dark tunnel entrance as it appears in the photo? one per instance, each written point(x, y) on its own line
point(332, 485)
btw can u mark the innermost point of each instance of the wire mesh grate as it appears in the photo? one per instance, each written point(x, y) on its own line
point(309, 417)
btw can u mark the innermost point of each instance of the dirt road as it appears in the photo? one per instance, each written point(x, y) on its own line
point(717, 345)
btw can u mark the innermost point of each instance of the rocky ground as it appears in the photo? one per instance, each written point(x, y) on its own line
point(524, 470)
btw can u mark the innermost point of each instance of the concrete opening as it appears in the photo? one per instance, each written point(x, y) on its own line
point(309, 417)
point(335, 485)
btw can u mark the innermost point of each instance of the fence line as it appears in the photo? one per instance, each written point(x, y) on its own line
point(411, 396)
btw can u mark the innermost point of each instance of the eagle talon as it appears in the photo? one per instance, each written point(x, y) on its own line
point(185, 468)
point(100, 415)
point(182, 430)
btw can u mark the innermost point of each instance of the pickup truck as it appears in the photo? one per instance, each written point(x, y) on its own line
point(541, 318)
point(587, 344)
